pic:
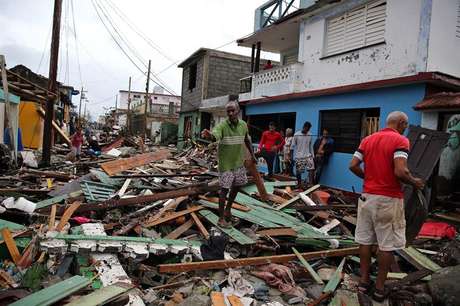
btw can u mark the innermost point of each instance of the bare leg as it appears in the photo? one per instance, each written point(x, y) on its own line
point(365, 254)
point(231, 199)
point(222, 198)
point(384, 260)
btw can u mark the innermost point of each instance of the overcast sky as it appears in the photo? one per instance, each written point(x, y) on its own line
point(177, 28)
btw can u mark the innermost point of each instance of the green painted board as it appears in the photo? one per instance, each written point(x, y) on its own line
point(11, 225)
point(129, 239)
point(309, 268)
point(335, 279)
point(101, 296)
point(420, 259)
point(54, 293)
point(51, 201)
point(248, 216)
point(232, 232)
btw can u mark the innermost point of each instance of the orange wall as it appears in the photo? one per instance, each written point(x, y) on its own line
point(31, 125)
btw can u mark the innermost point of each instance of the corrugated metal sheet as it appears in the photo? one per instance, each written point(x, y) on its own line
point(443, 100)
point(96, 191)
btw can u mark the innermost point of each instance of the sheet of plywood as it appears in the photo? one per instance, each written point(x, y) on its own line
point(119, 165)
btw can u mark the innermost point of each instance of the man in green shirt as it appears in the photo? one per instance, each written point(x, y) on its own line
point(232, 136)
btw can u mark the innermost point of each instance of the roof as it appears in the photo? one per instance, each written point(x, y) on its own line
point(212, 52)
point(285, 28)
point(435, 78)
point(443, 100)
point(11, 98)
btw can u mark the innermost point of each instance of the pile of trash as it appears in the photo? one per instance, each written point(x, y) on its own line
point(139, 226)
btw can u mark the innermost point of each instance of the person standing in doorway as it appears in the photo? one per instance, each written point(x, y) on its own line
point(323, 148)
point(302, 145)
point(269, 145)
point(381, 218)
point(232, 137)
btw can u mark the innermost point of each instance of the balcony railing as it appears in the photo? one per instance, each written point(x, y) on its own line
point(277, 81)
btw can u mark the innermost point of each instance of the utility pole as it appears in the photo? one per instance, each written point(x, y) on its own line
point(82, 96)
point(128, 119)
point(52, 84)
point(147, 100)
point(84, 112)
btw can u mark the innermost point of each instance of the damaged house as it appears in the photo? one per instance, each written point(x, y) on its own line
point(346, 64)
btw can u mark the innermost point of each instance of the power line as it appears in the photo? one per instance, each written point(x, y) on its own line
point(122, 49)
point(133, 27)
point(76, 44)
point(160, 82)
point(44, 49)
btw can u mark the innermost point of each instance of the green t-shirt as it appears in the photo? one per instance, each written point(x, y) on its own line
point(231, 151)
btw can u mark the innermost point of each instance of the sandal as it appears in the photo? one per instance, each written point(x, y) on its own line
point(379, 295)
point(365, 287)
point(224, 224)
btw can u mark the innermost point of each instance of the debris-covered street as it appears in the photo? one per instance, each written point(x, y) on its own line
point(142, 227)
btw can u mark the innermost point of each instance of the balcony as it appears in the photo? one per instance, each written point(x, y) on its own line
point(273, 82)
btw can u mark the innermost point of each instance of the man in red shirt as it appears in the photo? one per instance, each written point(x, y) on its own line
point(269, 145)
point(381, 209)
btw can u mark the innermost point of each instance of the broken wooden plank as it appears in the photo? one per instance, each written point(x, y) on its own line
point(335, 279)
point(234, 300)
point(419, 260)
point(200, 225)
point(52, 219)
point(119, 165)
point(217, 298)
point(123, 188)
point(232, 232)
point(67, 214)
point(277, 232)
point(296, 198)
point(180, 230)
point(11, 245)
point(252, 169)
point(64, 136)
point(55, 292)
point(173, 216)
point(49, 174)
point(102, 296)
point(253, 261)
point(116, 203)
point(309, 268)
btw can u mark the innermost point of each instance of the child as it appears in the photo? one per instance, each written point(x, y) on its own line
point(77, 142)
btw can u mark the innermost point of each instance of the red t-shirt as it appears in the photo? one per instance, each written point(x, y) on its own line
point(378, 151)
point(77, 140)
point(270, 139)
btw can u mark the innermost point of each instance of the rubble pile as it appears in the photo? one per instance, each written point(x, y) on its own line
point(139, 226)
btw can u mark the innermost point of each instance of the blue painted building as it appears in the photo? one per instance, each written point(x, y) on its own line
point(336, 173)
point(345, 65)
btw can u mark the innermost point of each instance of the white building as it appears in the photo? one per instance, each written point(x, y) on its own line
point(345, 64)
point(159, 102)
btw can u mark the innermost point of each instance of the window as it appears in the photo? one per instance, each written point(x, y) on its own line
point(192, 70)
point(348, 127)
point(360, 27)
point(458, 21)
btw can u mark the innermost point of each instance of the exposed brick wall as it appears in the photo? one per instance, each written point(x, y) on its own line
point(224, 76)
point(191, 99)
